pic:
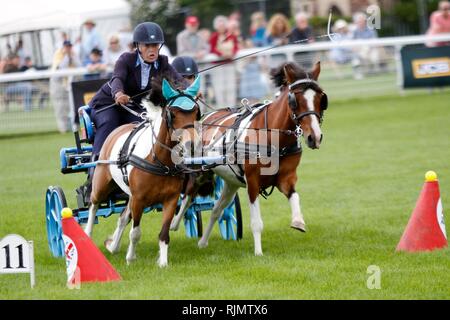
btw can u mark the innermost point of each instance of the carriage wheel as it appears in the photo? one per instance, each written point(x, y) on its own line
point(55, 201)
point(230, 223)
point(193, 224)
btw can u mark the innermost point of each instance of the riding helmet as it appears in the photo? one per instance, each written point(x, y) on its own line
point(184, 65)
point(148, 32)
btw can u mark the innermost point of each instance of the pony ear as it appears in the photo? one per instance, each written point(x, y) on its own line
point(167, 90)
point(194, 87)
point(316, 71)
point(289, 73)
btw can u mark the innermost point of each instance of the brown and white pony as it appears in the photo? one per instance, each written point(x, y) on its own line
point(155, 144)
point(297, 110)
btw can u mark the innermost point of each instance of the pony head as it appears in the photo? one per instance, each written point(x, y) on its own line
point(183, 99)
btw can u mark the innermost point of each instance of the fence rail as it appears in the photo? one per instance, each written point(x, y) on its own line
point(41, 100)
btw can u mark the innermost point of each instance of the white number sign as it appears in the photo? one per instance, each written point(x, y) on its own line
point(16, 256)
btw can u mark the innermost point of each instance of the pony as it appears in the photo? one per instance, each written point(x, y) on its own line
point(137, 158)
point(297, 111)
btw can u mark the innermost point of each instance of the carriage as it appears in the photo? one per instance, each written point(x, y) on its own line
point(298, 111)
point(78, 159)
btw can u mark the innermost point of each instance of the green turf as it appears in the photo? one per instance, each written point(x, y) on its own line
point(358, 192)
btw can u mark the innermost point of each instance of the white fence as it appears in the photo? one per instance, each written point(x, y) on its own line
point(29, 101)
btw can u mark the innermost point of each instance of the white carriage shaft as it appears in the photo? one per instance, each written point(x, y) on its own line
point(17, 256)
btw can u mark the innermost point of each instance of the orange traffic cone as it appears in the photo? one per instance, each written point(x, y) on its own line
point(84, 261)
point(426, 227)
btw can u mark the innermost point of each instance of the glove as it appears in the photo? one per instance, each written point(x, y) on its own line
point(121, 98)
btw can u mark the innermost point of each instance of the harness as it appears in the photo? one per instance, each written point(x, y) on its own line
point(251, 150)
point(126, 156)
point(292, 149)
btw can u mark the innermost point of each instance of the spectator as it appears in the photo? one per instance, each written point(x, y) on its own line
point(341, 55)
point(302, 33)
point(113, 52)
point(224, 45)
point(95, 64)
point(278, 30)
point(19, 51)
point(23, 89)
point(12, 63)
point(91, 39)
point(234, 27)
point(235, 16)
point(63, 58)
point(190, 42)
point(258, 29)
point(253, 85)
point(440, 23)
point(205, 34)
point(27, 65)
point(366, 58)
point(2, 64)
point(17, 89)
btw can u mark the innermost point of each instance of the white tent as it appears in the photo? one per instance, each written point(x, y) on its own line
point(39, 22)
point(24, 15)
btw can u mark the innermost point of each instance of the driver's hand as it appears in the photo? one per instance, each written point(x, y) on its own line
point(121, 98)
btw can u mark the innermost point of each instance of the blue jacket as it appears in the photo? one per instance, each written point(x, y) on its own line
point(127, 78)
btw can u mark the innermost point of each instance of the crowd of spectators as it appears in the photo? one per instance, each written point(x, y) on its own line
point(220, 44)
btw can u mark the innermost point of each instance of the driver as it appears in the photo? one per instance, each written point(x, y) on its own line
point(132, 77)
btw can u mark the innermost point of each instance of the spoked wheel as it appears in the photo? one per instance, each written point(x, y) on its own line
point(230, 223)
point(193, 223)
point(55, 201)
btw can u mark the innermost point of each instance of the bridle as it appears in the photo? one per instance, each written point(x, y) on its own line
point(169, 115)
point(293, 105)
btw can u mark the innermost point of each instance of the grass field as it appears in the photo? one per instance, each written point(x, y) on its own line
point(358, 192)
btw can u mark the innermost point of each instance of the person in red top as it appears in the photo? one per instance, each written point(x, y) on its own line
point(224, 44)
point(440, 23)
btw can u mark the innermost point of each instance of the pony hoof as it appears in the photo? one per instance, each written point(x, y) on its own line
point(298, 226)
point(162, 264)
point(131, 259)
point(108, 243)
point(258, 254)
point(173, 227)
point(202, 244)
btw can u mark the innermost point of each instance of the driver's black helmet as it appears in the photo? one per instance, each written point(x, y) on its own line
point(185, 65)
point(148, 32)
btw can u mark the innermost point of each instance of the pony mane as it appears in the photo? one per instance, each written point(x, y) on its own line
point(279, 78)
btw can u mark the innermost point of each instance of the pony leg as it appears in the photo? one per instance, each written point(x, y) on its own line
point(185, 203)
point(112, 243)
point(298, 221)
point(226, 197)
point(169, 208)
point(135, 233)
point(288, 189)
point(90, 223)
point(256, 224)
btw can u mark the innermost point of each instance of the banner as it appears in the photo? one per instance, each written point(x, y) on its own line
point(83, 91)
point(425, 67)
